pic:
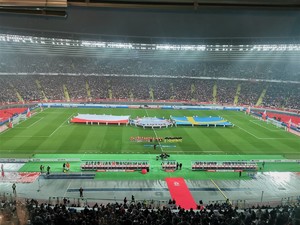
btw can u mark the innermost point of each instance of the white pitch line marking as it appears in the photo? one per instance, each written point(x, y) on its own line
point(28, 137)
point(4, 131)
point(161, 147)
point(67, 188)
point(35, 122)
point(279, 139)
point(265, 138)
point(17, 125)
point(247, 132)
point(273, 130)
point(61, 125)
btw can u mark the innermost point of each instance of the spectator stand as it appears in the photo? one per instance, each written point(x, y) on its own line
point(169, 165)
point(225, 166)
point(213, 213)
point(84, 202)
point(6, 197)
point(115, 165)
point(67, 201)
point(254, 203)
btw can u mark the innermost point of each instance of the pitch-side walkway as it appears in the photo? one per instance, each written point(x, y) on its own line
point(266, 187)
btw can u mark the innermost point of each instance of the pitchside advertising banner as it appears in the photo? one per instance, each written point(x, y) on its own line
point(278, 160)
point(72, 105)
point(55, 160)
point(12, 160)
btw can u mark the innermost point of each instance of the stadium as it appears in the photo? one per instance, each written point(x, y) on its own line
point(129, 112)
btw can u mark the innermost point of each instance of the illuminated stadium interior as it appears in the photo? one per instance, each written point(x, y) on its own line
point(178, 123)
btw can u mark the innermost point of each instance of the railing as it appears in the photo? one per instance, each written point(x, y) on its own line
point(154, 204)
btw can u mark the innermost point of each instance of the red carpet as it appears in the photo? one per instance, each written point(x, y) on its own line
point(181, 193)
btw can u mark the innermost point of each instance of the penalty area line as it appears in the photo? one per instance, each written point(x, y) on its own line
point(61, 125)
point(247, 132)
point(272, 130)
point(35, 122)
point(266, 137)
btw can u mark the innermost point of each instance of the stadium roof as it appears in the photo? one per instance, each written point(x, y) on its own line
point(176, 21)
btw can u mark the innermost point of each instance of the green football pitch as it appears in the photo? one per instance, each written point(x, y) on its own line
point(49, 132)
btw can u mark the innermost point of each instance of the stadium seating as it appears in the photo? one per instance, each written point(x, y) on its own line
point(85, 65)
point(95, 88)
point(139, 212)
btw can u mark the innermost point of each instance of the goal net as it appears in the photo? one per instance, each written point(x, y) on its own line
point(275, 123)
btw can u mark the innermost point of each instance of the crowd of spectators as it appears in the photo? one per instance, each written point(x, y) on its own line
point(136, 213)
point(88, 79)
point(94, 88)
point(136, 66)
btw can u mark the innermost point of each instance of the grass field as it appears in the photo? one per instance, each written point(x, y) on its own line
point(49, 132)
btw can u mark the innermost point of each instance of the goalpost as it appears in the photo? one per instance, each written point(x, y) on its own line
point(276, 123)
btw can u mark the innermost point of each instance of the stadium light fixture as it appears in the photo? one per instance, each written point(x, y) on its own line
point(143, 46)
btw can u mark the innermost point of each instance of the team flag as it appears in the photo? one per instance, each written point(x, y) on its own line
point(28, 114)
point(248, 110)
point(264, 115)
point(289, 124)
point(10, 124)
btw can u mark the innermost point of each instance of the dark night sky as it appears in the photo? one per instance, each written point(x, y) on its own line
point(203, 23)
